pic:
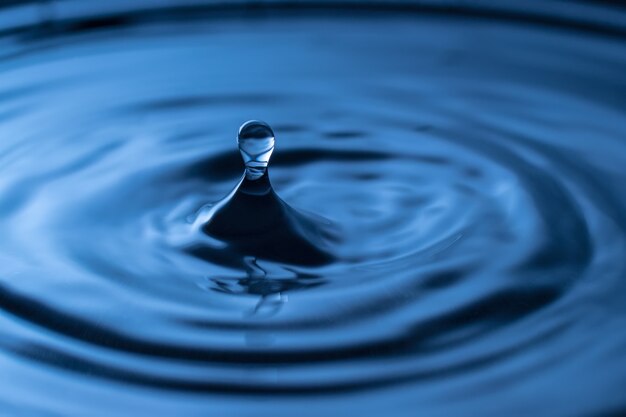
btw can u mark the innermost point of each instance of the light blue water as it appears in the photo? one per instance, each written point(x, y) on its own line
point(445, 235)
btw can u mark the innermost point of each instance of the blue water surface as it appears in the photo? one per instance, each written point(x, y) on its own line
point(452, 174)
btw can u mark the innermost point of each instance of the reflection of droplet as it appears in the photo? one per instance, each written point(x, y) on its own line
point(259, 339)
point(256, 143)
point(269, 305)
point(253, 269)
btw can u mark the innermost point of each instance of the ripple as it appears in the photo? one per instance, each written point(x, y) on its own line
point(475, 194)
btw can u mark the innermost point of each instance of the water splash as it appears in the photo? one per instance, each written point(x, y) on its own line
point(479, 263)
point(253, 221)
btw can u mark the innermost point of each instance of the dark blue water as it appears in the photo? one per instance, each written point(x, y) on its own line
point(446, 233)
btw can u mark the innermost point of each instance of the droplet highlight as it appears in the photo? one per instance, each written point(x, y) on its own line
point(256, 144)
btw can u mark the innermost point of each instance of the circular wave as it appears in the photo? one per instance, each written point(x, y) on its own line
point(471, 171)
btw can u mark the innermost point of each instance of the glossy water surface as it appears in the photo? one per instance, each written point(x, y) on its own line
point(468, 172)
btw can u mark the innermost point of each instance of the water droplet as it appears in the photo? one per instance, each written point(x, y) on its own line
point(256, 144)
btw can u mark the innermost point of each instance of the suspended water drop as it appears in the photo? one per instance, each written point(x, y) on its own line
point(253, 223)
point(256, 144)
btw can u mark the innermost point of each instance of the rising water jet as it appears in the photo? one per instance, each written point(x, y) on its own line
point(254, 221)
